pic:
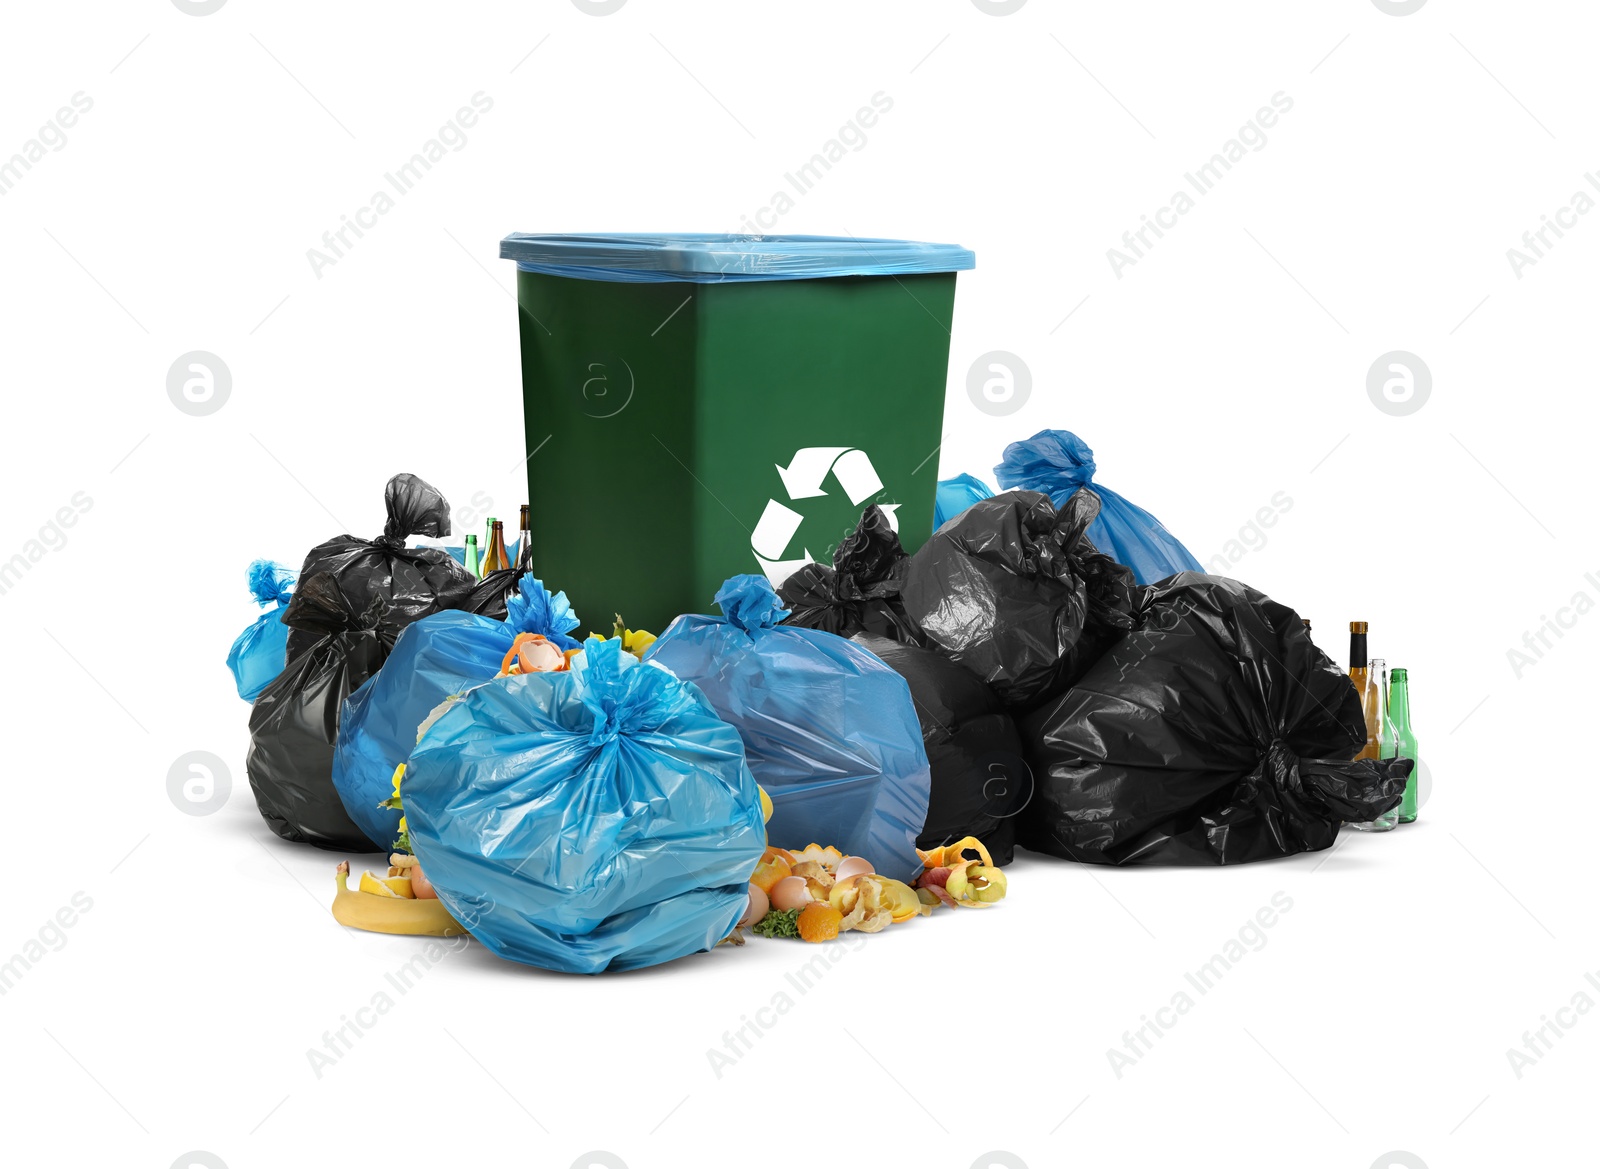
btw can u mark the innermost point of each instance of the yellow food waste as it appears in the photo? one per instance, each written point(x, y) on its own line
point(388, 912)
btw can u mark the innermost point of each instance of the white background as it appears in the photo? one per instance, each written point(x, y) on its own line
point(1227, 365)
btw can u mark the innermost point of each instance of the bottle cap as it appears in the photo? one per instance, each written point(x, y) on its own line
point(1358, 627)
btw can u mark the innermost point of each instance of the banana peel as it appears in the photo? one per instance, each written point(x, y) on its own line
point(392, 914)
point(958, 880)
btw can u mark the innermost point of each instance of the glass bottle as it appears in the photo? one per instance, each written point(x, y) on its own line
point(1381, 742)
point(470, 557)
point(488, 537)
point(524, 552)
point(496, 559)
point(1405, 739)
point(1358, 670)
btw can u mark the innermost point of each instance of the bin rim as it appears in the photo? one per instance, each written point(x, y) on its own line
point(717, 258)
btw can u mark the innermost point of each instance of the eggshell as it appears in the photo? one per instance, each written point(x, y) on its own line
point(852, 866)
point(790, 893)
point(757, 908)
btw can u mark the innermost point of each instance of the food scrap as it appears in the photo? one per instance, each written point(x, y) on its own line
point(949, 875)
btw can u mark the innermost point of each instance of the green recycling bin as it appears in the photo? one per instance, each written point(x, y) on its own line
point(700, 406)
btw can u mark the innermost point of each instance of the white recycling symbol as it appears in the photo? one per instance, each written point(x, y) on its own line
point(803, 479)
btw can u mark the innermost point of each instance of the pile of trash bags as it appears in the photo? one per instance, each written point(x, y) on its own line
point(1048, 671)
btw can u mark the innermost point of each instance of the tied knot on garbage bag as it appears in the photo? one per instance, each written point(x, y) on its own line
point(413, 582)
point(1056, 462)
point(1280, 765)
point(621, 702)
point(749, 603)
point(414, 508)
point(860, 593)
point(534, 609)
point(1015, 591)
point(271, 582)
point(1059, 464)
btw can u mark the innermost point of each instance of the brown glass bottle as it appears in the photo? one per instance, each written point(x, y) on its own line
point(496, 558)
point(1361, 678)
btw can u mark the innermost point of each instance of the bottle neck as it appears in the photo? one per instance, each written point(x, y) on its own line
point(1399, 704)
point(1358, 651)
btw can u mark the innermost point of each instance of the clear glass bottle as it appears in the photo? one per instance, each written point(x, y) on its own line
point(1381, 739)
point(524, 551)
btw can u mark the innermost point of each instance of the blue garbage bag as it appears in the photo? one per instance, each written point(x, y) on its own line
point(830, 730)
point(440, 655)
point(954, 496)
point(1058, 462)
point(260, 652)
point(591, 820)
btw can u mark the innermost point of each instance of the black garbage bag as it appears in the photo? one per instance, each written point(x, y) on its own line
point(1014, 591)
point(295, 720)
point(980, 781)
point(861, 592)
point(1214, 734)
point(488, 596)
point(411, 582)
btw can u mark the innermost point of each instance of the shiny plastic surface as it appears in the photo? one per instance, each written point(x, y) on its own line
point(979, 778)
point(860, 593)
point(709, 258)
point(954, 496)
point(295, 721)
point(1058, 463)
point(602, 819)
point(259, 654)
point(1015, 591)
point(828, 728)
point(1216, 733)
point(411, 582)
point(440, 655)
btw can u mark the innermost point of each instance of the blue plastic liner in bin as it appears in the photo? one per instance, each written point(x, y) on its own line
point(259, 654)
point(830, 730)
point(954, 496)
point(1057, 463)
point(599, 819)
point(440, 655)
point(706, 258)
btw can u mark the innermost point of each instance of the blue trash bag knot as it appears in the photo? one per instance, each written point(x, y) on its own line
point(749, 603)
point(271, 581)
point(618, 691)
point(532, 609)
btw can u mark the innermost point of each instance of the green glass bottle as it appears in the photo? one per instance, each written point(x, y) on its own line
point(1405, 739)
point(470, 558)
